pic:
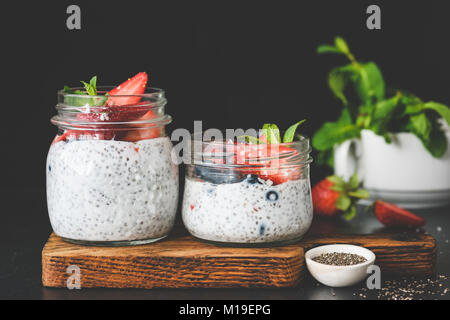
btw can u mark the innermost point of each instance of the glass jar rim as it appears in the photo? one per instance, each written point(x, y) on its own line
point(292, 154)
point(150, 92)
point(96, 126)
point(153, 99)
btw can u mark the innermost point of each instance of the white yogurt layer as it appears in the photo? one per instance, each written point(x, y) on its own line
point(112, 190)
point(247, 213)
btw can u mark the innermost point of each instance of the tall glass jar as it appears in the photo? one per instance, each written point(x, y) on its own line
point(110, 177)
point(243, 194)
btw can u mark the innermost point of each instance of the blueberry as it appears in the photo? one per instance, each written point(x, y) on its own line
point(272, 196)
point(253, 178)
point(218, 176)
point(49, 168)
point(262, 229)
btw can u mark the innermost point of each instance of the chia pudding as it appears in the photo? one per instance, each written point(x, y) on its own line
point(247, 212)
point(112, 190)
point(248, 194)
point(110, 175)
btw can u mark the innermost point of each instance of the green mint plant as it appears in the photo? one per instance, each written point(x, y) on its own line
point(360, 88)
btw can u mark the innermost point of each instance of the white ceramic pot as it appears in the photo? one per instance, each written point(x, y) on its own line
point(402, 172)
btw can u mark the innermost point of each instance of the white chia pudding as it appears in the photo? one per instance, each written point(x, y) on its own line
point(100, 190)
point(247, 211)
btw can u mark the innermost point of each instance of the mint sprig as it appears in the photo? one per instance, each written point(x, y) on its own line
point(272, 133)
point(360, 88)
point(91, 87)
point(83, 99)
point(273, 136)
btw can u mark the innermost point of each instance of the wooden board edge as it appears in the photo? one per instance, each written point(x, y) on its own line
point(54, 275)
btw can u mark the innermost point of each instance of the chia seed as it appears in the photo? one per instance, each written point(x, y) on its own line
point(89, 180)
point(246, 212)
point(339, 259)
point(409, 288)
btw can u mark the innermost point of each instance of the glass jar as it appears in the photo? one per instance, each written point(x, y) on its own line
point(110, 177)
point(243, 194)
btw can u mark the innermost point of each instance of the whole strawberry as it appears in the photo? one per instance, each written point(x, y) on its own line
point(334, 196)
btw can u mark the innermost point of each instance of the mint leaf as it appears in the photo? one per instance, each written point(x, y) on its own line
point(290, 132)
point(408, 98)
point(370, 83)
point(93, 83)
point(366, 79)
point(413, 109)
point(430, 133)
point(441, 109)
point(420, 125)
point(345, 117)
point(325, 48)
point(338, 80)
point(384, 111)
point(438, 143)
point(69, 90)
point(272, 133)
point(341, 45)
point(91, 87)
point(332, 133)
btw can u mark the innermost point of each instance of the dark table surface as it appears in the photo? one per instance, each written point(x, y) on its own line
point(25, 229)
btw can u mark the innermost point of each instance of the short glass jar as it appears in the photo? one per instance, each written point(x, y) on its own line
point(242, 194)
point(110, 177)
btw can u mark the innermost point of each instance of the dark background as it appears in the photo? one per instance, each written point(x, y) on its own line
point(232, 64)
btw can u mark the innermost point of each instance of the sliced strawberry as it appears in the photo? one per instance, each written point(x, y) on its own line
point(276, 171)
point(148, 115)
point(262, 138)
point(249, 153)
point(259, 154)
point(392, 216)
point(114, 113)
point(141, 134)
point(133, 86)
point(135, 135)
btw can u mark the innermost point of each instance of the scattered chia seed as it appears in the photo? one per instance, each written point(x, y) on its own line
point(339, 259)
point(409, 289)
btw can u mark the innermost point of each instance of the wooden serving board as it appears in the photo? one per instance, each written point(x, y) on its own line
point(180, 261)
